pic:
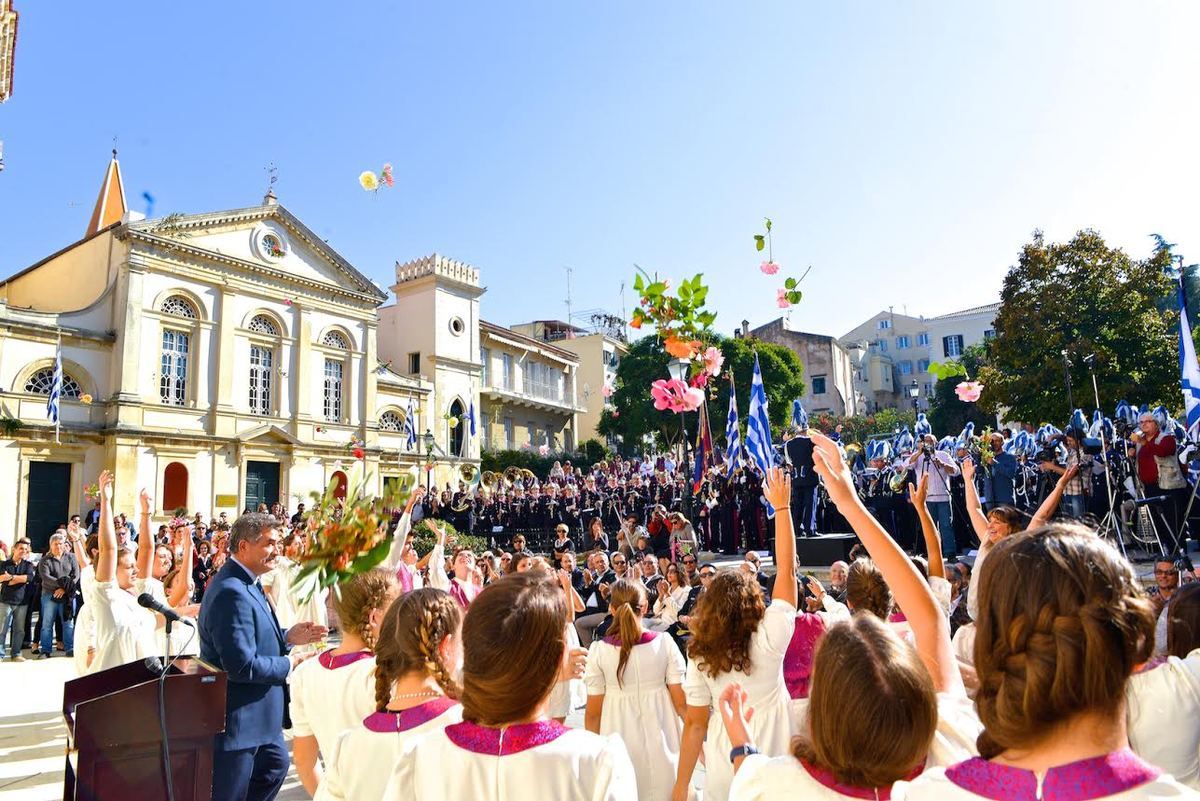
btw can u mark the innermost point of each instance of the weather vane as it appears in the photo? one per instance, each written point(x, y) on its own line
point(272, 177)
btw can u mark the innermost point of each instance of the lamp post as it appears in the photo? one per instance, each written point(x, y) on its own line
point(678, 368)
point(914, 392)
point(427, 438)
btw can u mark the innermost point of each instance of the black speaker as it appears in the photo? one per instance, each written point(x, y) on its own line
point(824, 550)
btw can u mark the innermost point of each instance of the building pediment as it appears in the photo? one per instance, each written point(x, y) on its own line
point(268, 238)
point(268, 434)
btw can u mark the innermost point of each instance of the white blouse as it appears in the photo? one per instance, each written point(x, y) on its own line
point(1162, 712)
point(331, 693)
point(124, 630)
point(542, 761)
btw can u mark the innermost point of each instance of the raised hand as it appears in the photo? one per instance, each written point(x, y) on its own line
point(105, 483)
point(968, 469)
point(304, 633)
point(735, 714)
point(833, 470)
point(777, 488)
point(144, 501)
point(922, 489)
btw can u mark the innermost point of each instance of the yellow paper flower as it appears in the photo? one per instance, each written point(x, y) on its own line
point(453, 422)
point(85, 399)
point(369, 181)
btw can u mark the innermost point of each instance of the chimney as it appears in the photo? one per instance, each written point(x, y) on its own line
point(745, 329)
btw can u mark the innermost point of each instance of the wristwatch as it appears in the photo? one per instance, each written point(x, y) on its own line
point(742, 751)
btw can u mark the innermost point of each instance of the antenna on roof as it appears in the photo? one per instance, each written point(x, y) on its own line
point(569, 271)
point(272, 176)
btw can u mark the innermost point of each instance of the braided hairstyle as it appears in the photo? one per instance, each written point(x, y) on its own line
point(410, 640)
point(357, 598)
point(866, 590)
point(1062, 624)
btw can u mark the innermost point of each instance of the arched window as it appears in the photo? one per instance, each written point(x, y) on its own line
point(175, 486)
point(335, 339)
point(391, 421)
point(333, 390)
point(41, 381)
point(262, 359)
point(455, 434)
point(338, 479)
point(262, 324)
point(179, 306)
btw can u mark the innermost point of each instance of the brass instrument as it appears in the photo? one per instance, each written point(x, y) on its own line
point(489, 480)
point(469, 473)
point(511, 475)
point(899, 479)
point(853, 451)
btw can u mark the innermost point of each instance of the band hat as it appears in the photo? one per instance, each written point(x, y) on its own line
point(1078, 421)
point(948, 444)
point(966, 435)
point(922, 426)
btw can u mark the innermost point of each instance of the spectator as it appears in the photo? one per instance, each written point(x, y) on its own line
point(59, 574)
point(16, 579)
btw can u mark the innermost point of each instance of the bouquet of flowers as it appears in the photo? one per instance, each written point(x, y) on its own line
point(346, 536)
point(91, 493)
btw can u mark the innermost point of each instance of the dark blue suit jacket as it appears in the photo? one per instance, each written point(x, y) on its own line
point(240, 634)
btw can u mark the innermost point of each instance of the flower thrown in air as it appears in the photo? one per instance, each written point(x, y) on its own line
point(682, 348)
point(968, 391)
point(713, 361)
point(675, 396)
point(781, 298)
point(368, 181)
point(606, 390)
point(769, 267)
point(387, 177)
point(543, 450)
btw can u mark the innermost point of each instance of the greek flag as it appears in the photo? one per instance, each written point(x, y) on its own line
point(471, 417)
point(410, 427)
point(733, 440)
point(55, 389)
point(1189, 368)
point(758, 427)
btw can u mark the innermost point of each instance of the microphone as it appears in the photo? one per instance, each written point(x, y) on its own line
point(147, 600)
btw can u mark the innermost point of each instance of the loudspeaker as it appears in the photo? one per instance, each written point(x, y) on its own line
point(825, 549)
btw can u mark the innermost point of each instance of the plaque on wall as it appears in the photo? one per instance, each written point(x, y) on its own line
point(230, 501)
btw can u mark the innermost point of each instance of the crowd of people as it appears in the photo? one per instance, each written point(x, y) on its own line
point(1041, 668)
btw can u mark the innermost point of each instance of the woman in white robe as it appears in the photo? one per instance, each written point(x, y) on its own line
point(422, 627)
point(634, 682)
point(507, 747)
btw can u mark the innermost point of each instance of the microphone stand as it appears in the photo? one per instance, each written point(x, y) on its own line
point(1112, 518)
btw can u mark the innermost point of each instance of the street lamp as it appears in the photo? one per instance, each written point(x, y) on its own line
point(914, 392)
point(427, 438)
point(678, 368)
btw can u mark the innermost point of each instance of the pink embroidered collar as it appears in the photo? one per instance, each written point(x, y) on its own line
point(827, 779)
point(1087, 779)
point(332, 661)
point(388, 722)
point(504, 741)
point(647, 636)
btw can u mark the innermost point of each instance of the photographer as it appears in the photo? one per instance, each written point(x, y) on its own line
point(1160, 474)
point(940, 467)
point(1074, 500)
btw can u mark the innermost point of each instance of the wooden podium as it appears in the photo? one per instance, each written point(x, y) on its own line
point(114, 738)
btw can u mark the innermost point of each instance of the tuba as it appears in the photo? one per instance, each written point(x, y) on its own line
point(899, 479)
point(512, 475)
point(469, 473)
point(853, 451)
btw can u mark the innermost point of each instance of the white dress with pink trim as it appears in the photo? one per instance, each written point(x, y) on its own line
point(1162, 707)
point(1119, 776)
point(542, 761)
point(638, 708)
point(362, 758)
point(771, 726)
point(786, 778)
point(331, 694)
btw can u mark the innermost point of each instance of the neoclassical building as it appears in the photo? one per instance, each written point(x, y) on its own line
point(220, 360)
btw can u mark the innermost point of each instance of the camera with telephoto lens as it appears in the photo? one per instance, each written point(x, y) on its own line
point(1048, 453)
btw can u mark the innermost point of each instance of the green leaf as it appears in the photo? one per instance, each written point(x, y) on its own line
point(768, 223)
point(638, 284)
point(794, 296)
point(790, 283)
point(759, 242)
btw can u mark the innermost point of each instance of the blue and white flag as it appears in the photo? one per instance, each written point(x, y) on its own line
point(410, 427)
point(56, 385)
point(471, 417)
point(1189, 369)
point(799, 416)
point(733, 440)
point(758, 427)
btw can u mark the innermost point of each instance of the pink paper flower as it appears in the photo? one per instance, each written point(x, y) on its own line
point(781, 298)
point(675, 396)
point(968, 391)
point(387, 175)
point(699, 380)
point(543, 450)
point(769, 267)
point(607, 391)
point(616, 413)
point(713, 361)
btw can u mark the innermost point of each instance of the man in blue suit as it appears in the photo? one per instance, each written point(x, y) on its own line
point(240, 634)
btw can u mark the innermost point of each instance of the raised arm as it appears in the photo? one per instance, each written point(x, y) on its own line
point(106, 562)
point(933, 542)
point(1048, 507)
point(777, 488)
point(182, 592)
point(930, 627)
point(396, 552)
point(146, 544)
point(974, 507)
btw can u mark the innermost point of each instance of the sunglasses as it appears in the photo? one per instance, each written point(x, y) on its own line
point(618, 561)
point(689, 561)
point(707, 575)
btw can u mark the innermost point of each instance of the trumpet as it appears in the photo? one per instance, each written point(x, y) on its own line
point(899, 479)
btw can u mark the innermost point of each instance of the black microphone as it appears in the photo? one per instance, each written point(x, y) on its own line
point(147, 600)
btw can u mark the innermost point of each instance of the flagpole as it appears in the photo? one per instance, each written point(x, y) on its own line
point(57, 408)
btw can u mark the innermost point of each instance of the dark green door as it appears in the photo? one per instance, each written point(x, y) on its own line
point(262, 484)
point(49, 499)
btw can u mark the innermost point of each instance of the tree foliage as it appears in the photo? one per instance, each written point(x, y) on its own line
point(861, 427)
point(947, 414)
point(1083, 297)
point(647, 361)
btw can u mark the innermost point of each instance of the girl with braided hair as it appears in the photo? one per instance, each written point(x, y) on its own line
point(418, 651)
point(1062, 626)
point(507, 747)
point(879, 710)
point(634, 681)
point(336, 690)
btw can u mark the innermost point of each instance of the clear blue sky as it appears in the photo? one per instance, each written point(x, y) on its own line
point(905, 150)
